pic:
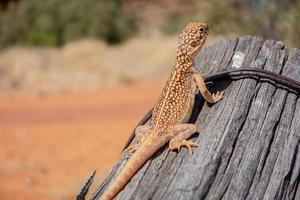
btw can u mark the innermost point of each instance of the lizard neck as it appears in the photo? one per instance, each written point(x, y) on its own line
point(183, 62)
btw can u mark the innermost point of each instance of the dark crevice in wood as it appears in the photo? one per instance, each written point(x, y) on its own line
point(291, 193)
point(239, 131)
point(287, 178)
point(204, 193)
point(160, 172)
point(271, 139)
point(99, 190)
point(233, 148)
point(263, 122)
point(134, 192)
point(167, 186)
point(218, 117)
point(199, 103)
point(257, 87)
point(214, 55)
point(150, 163)
point(278, 154)
point(264, 156)
point(286, 57)
point(235, 45)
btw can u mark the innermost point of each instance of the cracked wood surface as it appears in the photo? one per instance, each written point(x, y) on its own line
point(248, 142)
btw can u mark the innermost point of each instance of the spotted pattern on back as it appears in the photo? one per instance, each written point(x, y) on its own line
point(172, 104)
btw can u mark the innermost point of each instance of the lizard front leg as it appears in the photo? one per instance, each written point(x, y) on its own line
point(211, 98)
point(140, 134)
point(182, 132)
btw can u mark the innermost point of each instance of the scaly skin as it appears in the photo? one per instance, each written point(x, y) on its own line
point(173, 109)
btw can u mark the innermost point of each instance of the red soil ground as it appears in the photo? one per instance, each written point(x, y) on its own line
point(49, 145)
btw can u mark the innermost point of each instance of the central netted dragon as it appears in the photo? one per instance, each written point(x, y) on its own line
point(172, 110)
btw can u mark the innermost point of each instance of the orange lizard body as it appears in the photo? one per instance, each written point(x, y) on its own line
point(172, 111)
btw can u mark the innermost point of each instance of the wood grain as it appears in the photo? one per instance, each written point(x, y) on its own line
point(249, 142)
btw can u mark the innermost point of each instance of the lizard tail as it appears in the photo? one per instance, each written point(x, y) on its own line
point(143, 153)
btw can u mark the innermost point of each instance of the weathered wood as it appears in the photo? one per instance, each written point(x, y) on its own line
point(249, 142)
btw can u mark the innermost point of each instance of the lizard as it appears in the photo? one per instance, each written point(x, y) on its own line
point(172, 110)
point(233, 74)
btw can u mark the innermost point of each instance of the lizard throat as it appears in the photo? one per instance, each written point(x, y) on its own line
point(183, 63)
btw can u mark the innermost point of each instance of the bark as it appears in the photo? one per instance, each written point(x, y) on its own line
point(249, 141)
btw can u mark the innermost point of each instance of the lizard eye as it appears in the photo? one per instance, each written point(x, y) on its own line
point(201, 29)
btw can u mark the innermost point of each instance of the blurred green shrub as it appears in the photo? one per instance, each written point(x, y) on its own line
point(173, 23)
point(55, 22)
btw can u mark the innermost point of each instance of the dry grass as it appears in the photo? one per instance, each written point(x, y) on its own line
point(85, 65)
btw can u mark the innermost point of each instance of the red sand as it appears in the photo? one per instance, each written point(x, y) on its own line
point(49, 145)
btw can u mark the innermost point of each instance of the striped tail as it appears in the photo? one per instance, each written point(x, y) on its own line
point(143, 153)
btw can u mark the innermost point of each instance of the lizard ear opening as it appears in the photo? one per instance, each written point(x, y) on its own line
point(194, 44)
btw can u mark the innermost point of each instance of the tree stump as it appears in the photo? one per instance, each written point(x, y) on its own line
point(248, 142)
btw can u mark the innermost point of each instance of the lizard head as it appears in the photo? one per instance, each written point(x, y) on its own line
point(192, 39)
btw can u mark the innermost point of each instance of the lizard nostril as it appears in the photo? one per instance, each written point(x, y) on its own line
point(206, 27)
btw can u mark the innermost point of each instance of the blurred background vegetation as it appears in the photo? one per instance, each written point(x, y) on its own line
point(55, 22)
point(44, 47)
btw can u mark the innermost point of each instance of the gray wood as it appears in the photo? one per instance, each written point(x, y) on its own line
point(249, 142)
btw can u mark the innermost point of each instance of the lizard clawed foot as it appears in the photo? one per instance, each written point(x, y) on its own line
point(218, 96)
point(176, 145)
point(209, 83)
point(130, 149)
point(140, 137)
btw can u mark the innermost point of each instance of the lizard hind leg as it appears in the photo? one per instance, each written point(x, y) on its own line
point(182, 132)
point(140, 134)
